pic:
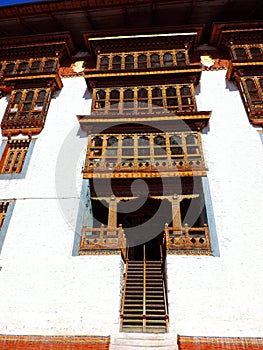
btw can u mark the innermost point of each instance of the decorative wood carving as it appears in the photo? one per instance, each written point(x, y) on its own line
point(144, 155)
point(244, 44)
point(181, 240)
point(105, 240)
point(13, 157)
point(3, 210)
point(26, 111)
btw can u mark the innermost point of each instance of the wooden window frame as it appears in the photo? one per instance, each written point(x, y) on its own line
point(137, 154)
point(148, 64)
point(248, 53)
point(30, 63)
point(149, 106)
point(252, 105)
point(15, 109)
point(3, 210)
point(13, 157)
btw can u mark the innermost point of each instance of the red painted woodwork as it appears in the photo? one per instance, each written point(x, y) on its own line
point(217, 343)
point(54, 343)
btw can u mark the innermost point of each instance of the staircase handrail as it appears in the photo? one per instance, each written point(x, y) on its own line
point(123, 295)
point(144, 291)
point(166, 307)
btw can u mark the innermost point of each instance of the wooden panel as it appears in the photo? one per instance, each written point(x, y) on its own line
point(21, 342)
point(216, 343)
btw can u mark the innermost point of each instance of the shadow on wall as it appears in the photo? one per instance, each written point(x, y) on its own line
point(84, 217)
point(3, 229)
point(231, 86)
point(87, 95)
point(198, 89)
point(260, 132)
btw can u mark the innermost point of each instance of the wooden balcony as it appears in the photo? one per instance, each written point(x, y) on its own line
point(188, 240)
point(45, 79)
point(103, 240)
point(26, 123)
point(180, 166)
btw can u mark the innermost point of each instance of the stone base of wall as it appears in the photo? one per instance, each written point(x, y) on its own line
point(214, 343)
point(21, 342)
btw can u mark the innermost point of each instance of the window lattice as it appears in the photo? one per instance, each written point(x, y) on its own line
point(247, 52)
point(27, 109)
point(44, 65)
point(14, 156)
point(3, 210)
point(142, 60)
point(148, 99)
point(253, 89)
point(180, 149)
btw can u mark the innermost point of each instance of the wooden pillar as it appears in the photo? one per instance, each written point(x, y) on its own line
point(112, 216)
point(176, 211)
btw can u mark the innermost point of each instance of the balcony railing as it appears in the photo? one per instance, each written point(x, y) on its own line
point(179, 164)
point(187, 239)
point(103, 239)
point(31, 120)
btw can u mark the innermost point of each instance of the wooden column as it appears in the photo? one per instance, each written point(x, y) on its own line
point(112, 217)
point(176, 211)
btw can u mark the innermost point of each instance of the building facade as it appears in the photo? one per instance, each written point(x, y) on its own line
point(131, 192)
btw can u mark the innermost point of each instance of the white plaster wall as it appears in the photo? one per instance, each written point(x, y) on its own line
point(43, 288)
point(3, 105)
point(222, 296)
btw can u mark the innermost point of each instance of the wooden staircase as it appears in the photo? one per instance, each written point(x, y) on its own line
point(144, 306)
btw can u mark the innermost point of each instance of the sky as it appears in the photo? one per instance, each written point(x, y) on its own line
point(14, 2)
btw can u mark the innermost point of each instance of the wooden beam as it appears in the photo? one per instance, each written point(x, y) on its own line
point(90, 21)
point(155, 18)
point(191, 10)
point(57, 23)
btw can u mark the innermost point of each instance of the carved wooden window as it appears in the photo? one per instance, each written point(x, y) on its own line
point(35, 67)
point(142, 100)
point(116, 62)
point(148, 99)
point(128, 100)
point(100, 99)
point(256, 53)
point(180, 150)
point(143, 60)
point(155, 60)
point(157, 98)
point(252, 91)
point(104, 62)
point(9, 69)
point(26, 109)
point(45, 64)
point(241, 53)
point(171, 98)
point(27, 101)
point(3, 210)
point(129, 62)
point(114, 100)
point(248, 52)
point(168, 60)
point(112, 149)
point(49, 66)
point(22, 67)
point(13, 156)
point(186, 97)
point(180, 59)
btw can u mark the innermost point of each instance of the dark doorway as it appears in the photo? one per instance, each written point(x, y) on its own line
point(151, 249)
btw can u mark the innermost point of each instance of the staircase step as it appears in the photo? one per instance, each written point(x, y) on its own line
point(133, 299)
